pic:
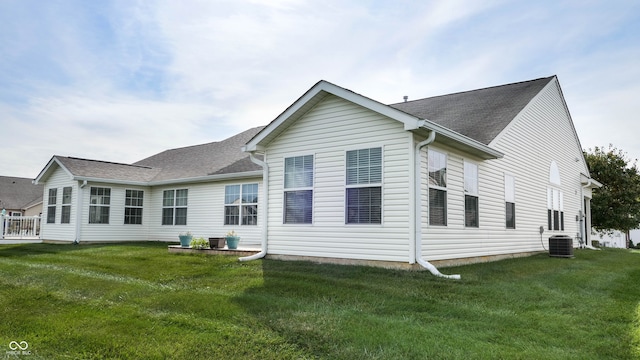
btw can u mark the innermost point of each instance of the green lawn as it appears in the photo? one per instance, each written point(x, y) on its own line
point(136, 301)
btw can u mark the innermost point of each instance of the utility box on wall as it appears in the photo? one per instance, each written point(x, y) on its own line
point(561, 246)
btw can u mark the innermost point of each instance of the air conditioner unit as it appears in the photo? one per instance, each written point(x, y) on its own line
point(561, 246)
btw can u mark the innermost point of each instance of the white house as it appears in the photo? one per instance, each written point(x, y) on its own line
point(206, 189)
point(465, 177)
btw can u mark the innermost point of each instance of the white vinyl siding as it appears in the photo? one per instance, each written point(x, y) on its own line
point(328, 130)
point(540, 134)
point(59, 179)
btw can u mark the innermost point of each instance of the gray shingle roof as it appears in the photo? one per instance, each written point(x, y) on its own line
point(17, 193)
point(222, 157)
point(479, 114)
point(97, 169)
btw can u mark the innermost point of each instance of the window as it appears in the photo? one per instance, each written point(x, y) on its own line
point(471, 216)
point(437, 188)
point(510, 201)
point(241, 202)
point(99, 201)
point(364, 186)
point(51, 209)
point(66, 205)
point(133, 202)
point(298, 193)
point(555, 213)
point(174, 207)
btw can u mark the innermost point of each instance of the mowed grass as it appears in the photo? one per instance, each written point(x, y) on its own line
point(137, 301)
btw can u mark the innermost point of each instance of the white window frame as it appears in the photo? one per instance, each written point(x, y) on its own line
point(437, 187)
point(242, 205)
point(65, 213)
point(509, 199)
point(296, 188)
point(137, 206)
point(471, 183)
point(555, 209)
point(364, 183)
point(99, 204)
point(52, 200)
point(174, 206)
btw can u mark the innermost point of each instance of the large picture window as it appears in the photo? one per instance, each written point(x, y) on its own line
point(51, 207)
point(471, 216)
point(65, 217)
point(133, 204)
point(364, 186)
point(241, 204)
point(437, 188)
point(174, 207)
point(298, 193)
point(99, 204)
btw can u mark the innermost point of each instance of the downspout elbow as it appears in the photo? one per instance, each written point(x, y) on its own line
point(264, 207)
point(418, 233)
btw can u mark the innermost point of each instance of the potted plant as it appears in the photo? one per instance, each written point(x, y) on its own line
point(185, 239)
point(232, 240)
point(217, 242)
point(199, 243)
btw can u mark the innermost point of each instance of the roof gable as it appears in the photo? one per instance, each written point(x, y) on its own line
point(312, 97)
point(478, 114)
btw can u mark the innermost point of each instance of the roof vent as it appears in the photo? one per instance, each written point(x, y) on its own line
point(405, 98)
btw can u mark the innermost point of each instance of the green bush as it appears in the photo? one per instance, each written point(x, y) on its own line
point(199, 243)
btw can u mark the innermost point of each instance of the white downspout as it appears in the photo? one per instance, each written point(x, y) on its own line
point(264, 208)
point(79, 212)
point(418, 211)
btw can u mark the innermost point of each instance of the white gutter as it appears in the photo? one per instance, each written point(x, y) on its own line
point(418, 211)
point(79, 211)
point(264, 208)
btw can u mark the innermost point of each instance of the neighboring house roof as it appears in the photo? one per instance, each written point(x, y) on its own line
point(479, 114)
point(206, 161)
point(19, 193)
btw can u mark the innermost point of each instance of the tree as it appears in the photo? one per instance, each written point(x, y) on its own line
point(616, 205)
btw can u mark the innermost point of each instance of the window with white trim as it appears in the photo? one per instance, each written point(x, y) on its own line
point(66, 205)
point(437, 188)
point(133, 205)
point(174, 207)
point(364, 186)
point(555, 211)
point(510, 201)
point(471, 216)
point(298, 193)
point(51, 207)
point(241, 204)
point(99, 204)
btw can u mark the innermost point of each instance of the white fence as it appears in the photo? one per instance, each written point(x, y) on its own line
point(20, 227)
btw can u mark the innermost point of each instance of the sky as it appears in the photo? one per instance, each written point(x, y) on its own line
point(123, 80)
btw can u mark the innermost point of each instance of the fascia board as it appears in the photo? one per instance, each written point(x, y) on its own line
point(199, 179)
point(45, 171)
